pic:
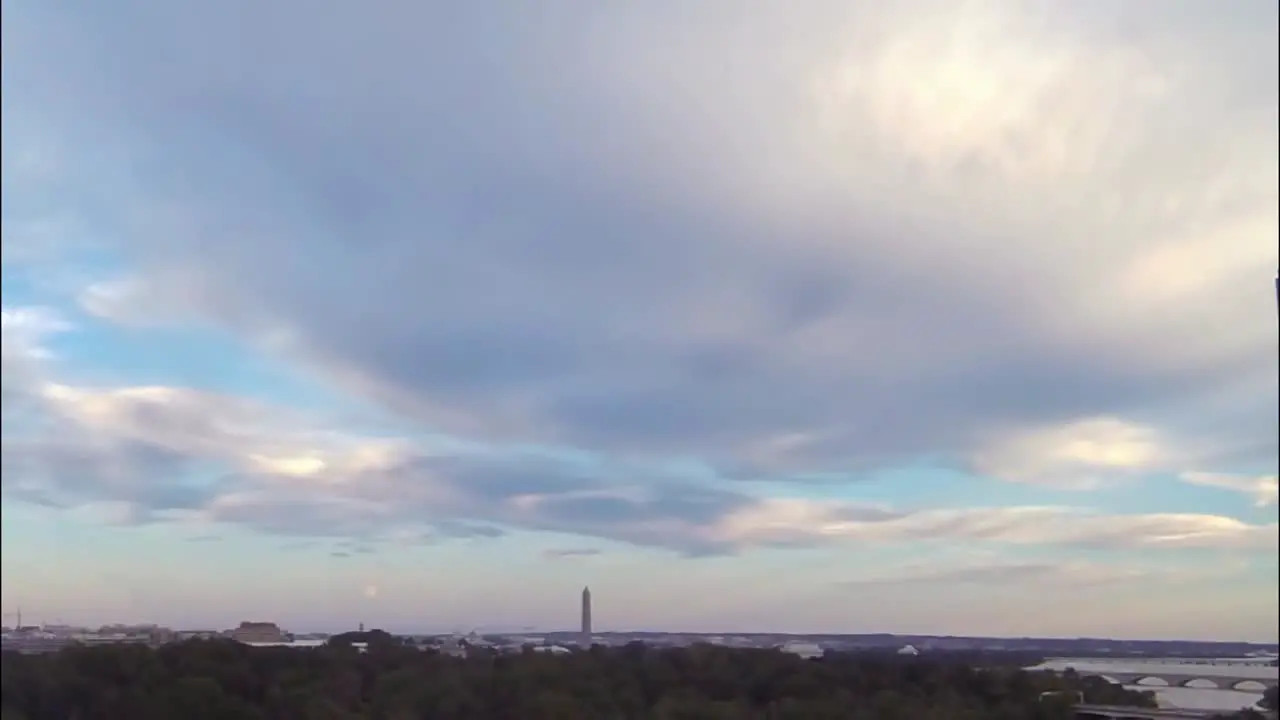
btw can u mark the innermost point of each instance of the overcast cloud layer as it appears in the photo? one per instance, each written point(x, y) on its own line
point(686, 277)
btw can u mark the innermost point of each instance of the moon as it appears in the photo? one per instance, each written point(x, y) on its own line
point(371, 591)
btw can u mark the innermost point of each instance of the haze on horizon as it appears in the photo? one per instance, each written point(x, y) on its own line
point(842, 316)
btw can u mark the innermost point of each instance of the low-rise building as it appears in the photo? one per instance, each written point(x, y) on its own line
point(803, 649)
point(258, 632)
point(181, 635)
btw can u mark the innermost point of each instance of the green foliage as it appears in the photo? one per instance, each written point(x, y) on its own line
point(223, 680)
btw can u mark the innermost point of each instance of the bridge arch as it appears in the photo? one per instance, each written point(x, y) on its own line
point(1203, 683)
point(1257, 686)
point(1150, 681)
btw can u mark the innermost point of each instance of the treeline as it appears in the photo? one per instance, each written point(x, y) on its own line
point(224, 680)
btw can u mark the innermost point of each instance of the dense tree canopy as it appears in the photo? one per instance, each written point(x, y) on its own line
point(224, 680)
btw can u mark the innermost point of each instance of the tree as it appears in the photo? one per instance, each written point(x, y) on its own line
point(224, 680)
point(1270, 699)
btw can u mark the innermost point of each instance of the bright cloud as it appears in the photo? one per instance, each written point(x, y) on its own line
point(1080, 454)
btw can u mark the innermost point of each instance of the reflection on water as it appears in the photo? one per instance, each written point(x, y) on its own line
point(1200, 698)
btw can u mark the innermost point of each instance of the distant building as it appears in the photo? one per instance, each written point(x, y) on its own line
point(196, 635)
point(585, 638)
point(552, 649)
point(32, 641)
point(122, 629)
point(66, 630)
point(258, 632)
point(803, 649)
point(93, 639)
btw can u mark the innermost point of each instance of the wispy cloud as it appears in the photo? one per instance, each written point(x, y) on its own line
point(1075, 574)
point(1263, 488)
point(568, 553)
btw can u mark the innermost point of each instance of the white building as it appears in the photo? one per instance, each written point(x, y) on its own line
point(803, 649)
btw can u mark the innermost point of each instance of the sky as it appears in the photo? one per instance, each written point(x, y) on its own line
point(837, 316)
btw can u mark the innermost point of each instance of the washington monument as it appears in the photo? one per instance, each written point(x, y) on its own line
point(585, 639)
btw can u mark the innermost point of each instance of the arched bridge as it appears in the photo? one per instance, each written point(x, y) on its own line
point(1244, 675)
point(1206, 680)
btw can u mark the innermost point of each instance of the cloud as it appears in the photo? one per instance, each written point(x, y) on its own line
point(348, 548)
point(846, 236)
point(787, 521)
point(34, 240)
point(1073, 574)
point(1263, 488)
point(1080, 455)
point(624, 257)
point(164, 454)
point(569, 553)
point(124, 302)
point(25, 331)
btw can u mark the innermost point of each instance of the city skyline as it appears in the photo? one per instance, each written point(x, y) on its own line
point(923, 318)
point(585, 631)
